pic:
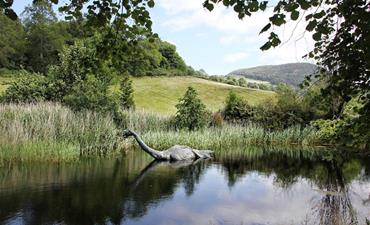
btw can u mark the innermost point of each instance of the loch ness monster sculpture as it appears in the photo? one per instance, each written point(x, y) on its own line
point(175, 153)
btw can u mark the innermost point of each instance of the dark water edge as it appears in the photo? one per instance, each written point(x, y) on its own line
point(253, 186)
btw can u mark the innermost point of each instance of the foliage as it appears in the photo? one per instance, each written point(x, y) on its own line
point(31, 88)
point(91, 94)
point(12, 43)
point(126, 98)
point(329, 130)
point(45, 36)
point(288, 110)
point(236, 109)
point(171, 59)
point(80, 81)
point(191, 112)
point(44, 43)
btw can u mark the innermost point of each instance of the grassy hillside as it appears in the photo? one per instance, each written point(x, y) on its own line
point(161, 94)
point(291, 73)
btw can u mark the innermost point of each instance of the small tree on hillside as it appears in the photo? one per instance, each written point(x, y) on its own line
point(126, 93)
point(237, 109)
point(191, 112)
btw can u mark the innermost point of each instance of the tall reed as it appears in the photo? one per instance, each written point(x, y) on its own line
point(50, 124)
point(157, 131)
point(50, 131)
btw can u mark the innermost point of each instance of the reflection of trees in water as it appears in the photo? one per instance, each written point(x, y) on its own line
point(330, 173)
point(335, 207)
point(95, 198)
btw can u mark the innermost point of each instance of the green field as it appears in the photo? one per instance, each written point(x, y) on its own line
point(161, 94)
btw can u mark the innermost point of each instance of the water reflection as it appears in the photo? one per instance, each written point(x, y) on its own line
point(254, 186)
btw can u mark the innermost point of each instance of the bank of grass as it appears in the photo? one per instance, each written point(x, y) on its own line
point(158, 132)
point(52, 132)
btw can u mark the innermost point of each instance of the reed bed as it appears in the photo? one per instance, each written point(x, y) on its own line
point(53, 131)
point(229, 137)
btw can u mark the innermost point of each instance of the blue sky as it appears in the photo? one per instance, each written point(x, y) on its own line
point(218, 41)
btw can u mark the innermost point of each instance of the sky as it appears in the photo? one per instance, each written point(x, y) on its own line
point(218, 41)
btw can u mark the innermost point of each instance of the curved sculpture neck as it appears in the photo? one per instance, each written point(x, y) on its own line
point(154, 153)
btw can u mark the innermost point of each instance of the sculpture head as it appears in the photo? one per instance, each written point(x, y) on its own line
point(127, 133)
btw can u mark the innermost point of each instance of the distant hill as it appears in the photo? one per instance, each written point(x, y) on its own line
point(291, 73)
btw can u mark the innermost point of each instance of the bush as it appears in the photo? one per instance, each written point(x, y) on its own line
point(329, 130)
point(90, 94)
point(28, 89)
point(191, 112)
point(236, 109)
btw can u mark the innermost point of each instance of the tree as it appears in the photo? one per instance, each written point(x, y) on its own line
point(45, 36)
point(126, 98)
point(191, 112)
point(242, 82)
point(236, 109)
point(12, 42)
point(171, 59)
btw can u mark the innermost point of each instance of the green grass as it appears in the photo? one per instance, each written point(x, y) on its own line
point(49, 131)
point(161, 94)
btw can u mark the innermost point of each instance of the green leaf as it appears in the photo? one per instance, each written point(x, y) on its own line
point(319, 15)
point(238, 8)
point(208, 6)
point(316, 36)
point(263, 5)
point(151, 3)
point(304, 4)
point(266, 46)
point(294, 15)
point(278, 19)
point(311, 25)
point(11, 14)
point(265, 28)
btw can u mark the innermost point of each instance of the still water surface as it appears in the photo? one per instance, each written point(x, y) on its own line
point(253, 187)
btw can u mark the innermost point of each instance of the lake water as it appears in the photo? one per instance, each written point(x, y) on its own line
point(257, 186)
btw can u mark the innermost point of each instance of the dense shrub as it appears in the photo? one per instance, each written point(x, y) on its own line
point(32, 88)
point(329, 130)
point(90, 94)
point(191, 112)
point(287, 111)
point(80, 80)
point(236, 109)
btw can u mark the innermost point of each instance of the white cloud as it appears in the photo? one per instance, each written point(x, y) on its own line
point(234, 57)
point(242, 35)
